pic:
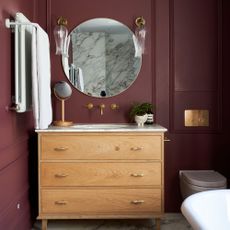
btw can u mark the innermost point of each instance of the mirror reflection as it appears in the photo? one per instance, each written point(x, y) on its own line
point(104, 59)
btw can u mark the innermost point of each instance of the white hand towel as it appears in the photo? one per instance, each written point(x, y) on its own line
point(41, 78)
point(34, 79)
point(80, 79)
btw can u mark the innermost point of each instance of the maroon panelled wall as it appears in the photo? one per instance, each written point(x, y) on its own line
point(125, 12)
point(225, 137)
point(191, 35)
point(186, 66)
point(14, 131)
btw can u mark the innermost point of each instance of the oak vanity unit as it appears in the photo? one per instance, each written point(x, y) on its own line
point(101, 173)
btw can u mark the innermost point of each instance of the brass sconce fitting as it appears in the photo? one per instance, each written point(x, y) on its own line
point(89, 106)
point(62, 21)
point(102, 107)
point(61, 37)
point(140, 33)
point(114, 106)
point(140, 21)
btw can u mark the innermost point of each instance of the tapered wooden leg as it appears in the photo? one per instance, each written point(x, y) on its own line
point(44, 224)
point(158, 223)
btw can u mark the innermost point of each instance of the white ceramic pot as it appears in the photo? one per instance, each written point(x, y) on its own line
point(140, 120)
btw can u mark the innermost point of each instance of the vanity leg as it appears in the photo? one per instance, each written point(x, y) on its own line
point(158, 223)
point(44, 224)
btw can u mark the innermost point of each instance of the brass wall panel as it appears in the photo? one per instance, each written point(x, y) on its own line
point(196, 117)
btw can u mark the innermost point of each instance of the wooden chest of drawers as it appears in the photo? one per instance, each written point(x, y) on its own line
point(100, 175)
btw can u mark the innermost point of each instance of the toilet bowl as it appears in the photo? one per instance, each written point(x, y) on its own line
point(193, 181)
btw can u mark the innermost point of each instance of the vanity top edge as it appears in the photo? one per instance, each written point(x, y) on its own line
point(104, 127)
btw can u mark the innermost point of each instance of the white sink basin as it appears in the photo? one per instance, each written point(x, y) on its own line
point(105, 127)
point(102, 126)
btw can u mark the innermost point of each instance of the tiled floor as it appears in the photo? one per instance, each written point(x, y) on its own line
point(171, 221)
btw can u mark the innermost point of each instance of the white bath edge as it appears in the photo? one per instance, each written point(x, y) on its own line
point(208, 210)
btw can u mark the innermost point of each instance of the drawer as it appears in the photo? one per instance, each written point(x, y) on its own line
point(104, 147)
point(100, 174)
point(100, 201)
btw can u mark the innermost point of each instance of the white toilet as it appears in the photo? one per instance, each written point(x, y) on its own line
point(193, 181)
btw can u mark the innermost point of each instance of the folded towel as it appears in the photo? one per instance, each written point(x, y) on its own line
point(41, 77)
point(72, 74)
point(80, 80)
point(34, 78)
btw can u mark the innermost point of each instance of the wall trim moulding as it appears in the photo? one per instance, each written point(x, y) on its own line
point(173, 110)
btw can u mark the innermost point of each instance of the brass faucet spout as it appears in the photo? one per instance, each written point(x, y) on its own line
point(102, 107)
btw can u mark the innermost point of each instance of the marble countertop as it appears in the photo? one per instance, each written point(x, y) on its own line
point(106, 127)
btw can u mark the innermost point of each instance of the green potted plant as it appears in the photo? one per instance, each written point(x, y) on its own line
point(139, 112)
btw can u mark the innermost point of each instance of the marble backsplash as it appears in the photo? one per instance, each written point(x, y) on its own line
point(107, 61)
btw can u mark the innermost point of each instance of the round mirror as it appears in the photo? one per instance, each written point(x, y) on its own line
point(104, 59)
point(62, 90)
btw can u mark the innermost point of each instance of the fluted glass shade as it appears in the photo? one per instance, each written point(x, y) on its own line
point(60, 36)
point(140, 33)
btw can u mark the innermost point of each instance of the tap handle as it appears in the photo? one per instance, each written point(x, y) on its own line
point(89, 106)
point(114, 106)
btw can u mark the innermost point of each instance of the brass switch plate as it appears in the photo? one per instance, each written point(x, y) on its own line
point(196, 117)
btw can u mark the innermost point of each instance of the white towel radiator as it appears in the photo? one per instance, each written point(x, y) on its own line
point(22, 29)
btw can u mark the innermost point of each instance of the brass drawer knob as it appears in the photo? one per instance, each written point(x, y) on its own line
point(137, 201)
point(60, 148)
point(136, 148)
point(137, 174)
point(61, 202)
point(61, 175)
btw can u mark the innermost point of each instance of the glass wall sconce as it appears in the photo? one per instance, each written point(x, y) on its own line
point(61, 37)
point(140, 33)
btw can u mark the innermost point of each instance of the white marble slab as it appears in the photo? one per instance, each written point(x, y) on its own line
point(106, 127)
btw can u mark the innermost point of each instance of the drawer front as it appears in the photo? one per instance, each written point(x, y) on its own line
point(100, 146)
point(100, 201)
point(100, 174)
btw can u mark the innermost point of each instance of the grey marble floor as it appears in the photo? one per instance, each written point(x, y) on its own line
point(171, 221)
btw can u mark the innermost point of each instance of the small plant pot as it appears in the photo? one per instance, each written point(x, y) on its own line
point(140, 120)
